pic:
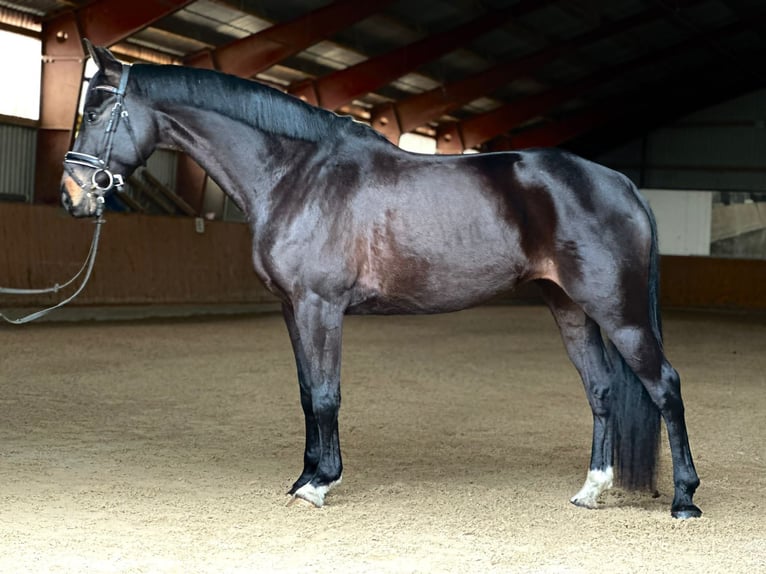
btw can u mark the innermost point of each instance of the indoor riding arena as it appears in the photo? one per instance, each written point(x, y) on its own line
point(157, 420)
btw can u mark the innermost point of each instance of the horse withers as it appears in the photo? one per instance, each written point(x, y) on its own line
point(344, 222)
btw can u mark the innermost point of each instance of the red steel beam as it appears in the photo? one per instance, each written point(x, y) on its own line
point(557, 132)
point(394, 119)
point(649, 106)
point(248, 56)
point(474, 131)
point(341, 87)
point(457, 136)
point(104, 22)
point(61, 82)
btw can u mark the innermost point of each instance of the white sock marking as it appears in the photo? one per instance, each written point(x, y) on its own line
point(315, 495)
point(596, 482)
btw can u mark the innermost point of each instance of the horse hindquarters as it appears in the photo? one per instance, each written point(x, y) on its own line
point(620, 292)
point(641, 350)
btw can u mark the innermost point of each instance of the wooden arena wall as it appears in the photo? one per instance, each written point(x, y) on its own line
point(141, 260)
point(152, 259)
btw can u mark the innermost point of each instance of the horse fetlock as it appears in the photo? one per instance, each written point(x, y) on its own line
point(683, 507)
point(685, 512)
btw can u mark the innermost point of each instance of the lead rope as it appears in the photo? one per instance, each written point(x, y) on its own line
point(87, 267)
point(114, 181)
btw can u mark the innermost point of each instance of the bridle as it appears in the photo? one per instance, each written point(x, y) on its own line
point(102, 179)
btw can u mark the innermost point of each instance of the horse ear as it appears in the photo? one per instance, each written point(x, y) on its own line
point(103, 58)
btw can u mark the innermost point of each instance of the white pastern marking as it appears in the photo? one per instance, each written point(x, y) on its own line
point(596, 482)
point(315, 495)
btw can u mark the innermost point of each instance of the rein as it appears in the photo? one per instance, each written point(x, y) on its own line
point(102, 181)
point(87, 267)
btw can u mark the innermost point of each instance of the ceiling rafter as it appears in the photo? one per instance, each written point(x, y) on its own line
point(106, 22)
point(480, 128)
point(341, 87)
point(684, 22)
point(624, 117)
point(250, 55)
point(747, 13)
point(393, 119)
point(369, 66)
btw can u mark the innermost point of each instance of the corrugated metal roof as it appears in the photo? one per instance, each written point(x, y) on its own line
point(208, 24)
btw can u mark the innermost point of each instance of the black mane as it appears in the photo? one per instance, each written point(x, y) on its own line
point(256, 104)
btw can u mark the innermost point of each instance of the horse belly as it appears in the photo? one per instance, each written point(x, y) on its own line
point(426, 281)
point(434, 244)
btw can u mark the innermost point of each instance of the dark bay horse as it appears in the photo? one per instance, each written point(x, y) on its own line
point(345, 222)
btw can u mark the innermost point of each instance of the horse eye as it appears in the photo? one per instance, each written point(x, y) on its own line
point(91, 117)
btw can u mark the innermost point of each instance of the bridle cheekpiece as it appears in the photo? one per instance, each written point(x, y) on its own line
point(102, 179)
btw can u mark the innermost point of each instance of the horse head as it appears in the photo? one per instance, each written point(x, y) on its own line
point(113, 139)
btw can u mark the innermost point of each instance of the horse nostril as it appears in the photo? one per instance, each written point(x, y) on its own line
point(66, 201)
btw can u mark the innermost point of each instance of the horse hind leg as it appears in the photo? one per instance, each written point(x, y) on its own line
point(630, 319)
point(644, 355)
point(585, 347)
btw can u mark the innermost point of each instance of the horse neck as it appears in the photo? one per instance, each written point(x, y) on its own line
point(211, 140)
point(245, 159)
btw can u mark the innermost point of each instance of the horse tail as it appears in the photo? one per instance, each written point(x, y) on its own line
point(635, 417)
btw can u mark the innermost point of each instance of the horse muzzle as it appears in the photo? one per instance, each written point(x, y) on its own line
point(85, 196)
point(77, 201)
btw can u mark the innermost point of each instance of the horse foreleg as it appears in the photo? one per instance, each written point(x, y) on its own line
point(311, 451)
point(315, 327)
point(585, 347)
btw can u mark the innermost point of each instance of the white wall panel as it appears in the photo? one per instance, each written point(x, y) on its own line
point(683, 220)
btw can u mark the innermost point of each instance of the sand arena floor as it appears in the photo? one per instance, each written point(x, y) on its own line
point(168, 445)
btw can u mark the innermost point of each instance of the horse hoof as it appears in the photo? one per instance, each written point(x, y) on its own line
point(300, 502)
point(588, 503)
point(686, 512)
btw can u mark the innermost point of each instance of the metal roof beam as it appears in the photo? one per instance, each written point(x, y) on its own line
point(682, 21)
point(248, 56)
point(748, 13)
point(394, 119)
point(104, 22)
point(457, 136)
point(647, 107)
point(338, 88)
